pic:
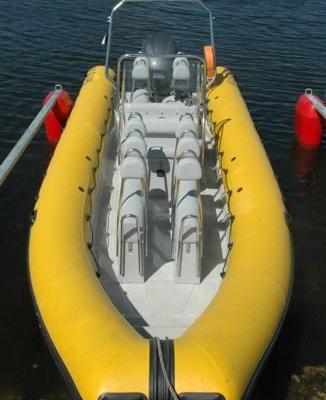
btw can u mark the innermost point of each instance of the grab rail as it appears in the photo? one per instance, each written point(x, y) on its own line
point(120, 98)
point(122, 247)
point(181, 244)
point(10, 161)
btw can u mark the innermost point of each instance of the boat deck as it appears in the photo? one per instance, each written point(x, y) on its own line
point(160, 306)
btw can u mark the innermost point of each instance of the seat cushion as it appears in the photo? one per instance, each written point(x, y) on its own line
point(188, 169)
point(188, 142)
point(132, 167)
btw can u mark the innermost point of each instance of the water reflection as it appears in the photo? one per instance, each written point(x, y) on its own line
point(304, 161)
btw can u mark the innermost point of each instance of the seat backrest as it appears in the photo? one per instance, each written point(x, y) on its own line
point(133, 167)
point(188, 142)
point(180, 74)
point(188, 169)
point(140, 70)
point(140, 96)
point(134, 123)
point(134, 141)
point(186, 123)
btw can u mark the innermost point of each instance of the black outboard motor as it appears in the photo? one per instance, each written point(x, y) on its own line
point(160, 67)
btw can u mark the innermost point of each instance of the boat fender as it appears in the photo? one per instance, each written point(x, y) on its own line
point(308, 123)
point(209, 55)
point(57, 117)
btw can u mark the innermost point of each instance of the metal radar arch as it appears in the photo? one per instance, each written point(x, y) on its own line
point(123, 2)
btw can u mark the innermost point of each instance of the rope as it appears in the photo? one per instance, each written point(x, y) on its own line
point(165, 374)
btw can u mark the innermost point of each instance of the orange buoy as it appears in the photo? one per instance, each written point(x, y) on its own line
point(209, 55)
point(57, 117)
point(308, 123)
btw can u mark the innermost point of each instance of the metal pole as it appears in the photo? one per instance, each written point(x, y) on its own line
point(319, 105)
point(10, 161)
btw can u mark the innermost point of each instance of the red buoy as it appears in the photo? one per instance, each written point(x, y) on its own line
point(53, 128)
point(308, 123)
point(57, 117)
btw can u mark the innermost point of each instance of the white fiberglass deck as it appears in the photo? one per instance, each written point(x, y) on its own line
point(160, 220)
point(159, 306)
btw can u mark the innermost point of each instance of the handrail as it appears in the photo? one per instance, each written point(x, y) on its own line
point(181, 243)
point(122, 2)
point(122, 251)
point(119, 102)
point(10, 161)
point(175, 192)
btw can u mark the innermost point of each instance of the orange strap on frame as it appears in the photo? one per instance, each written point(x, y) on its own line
point(209, 56)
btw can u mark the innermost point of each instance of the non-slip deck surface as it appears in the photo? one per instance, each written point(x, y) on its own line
point(159, 306)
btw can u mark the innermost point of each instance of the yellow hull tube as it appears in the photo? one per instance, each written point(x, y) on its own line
point(99, 349)
point(101, 352)
point(220, 352)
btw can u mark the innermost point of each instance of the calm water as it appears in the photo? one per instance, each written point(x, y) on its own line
point(275, 49)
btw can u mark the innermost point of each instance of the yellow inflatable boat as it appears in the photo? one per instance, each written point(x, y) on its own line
point(160, 255)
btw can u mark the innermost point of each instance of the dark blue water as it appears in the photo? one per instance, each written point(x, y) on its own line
point(276, 49)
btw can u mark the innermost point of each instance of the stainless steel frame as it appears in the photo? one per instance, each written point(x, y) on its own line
point(121, 89)
point(122, 2)
point(122, 247)
point(181, 243)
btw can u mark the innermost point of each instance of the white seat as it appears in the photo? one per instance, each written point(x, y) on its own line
point(134, 141)
point(187, 203)
point(132, 217)
point(140, 96)
point(161, 119)
point(135, 123)
point(187, 235)
point(181, 70)
point(188, 142)
point(186, 221)
point(188, 169)
point(132, 201)
point(186, 123)
point(132, 233)
point(140, 79)
point(132, 167)
point(140, 70)
point(180, 74)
